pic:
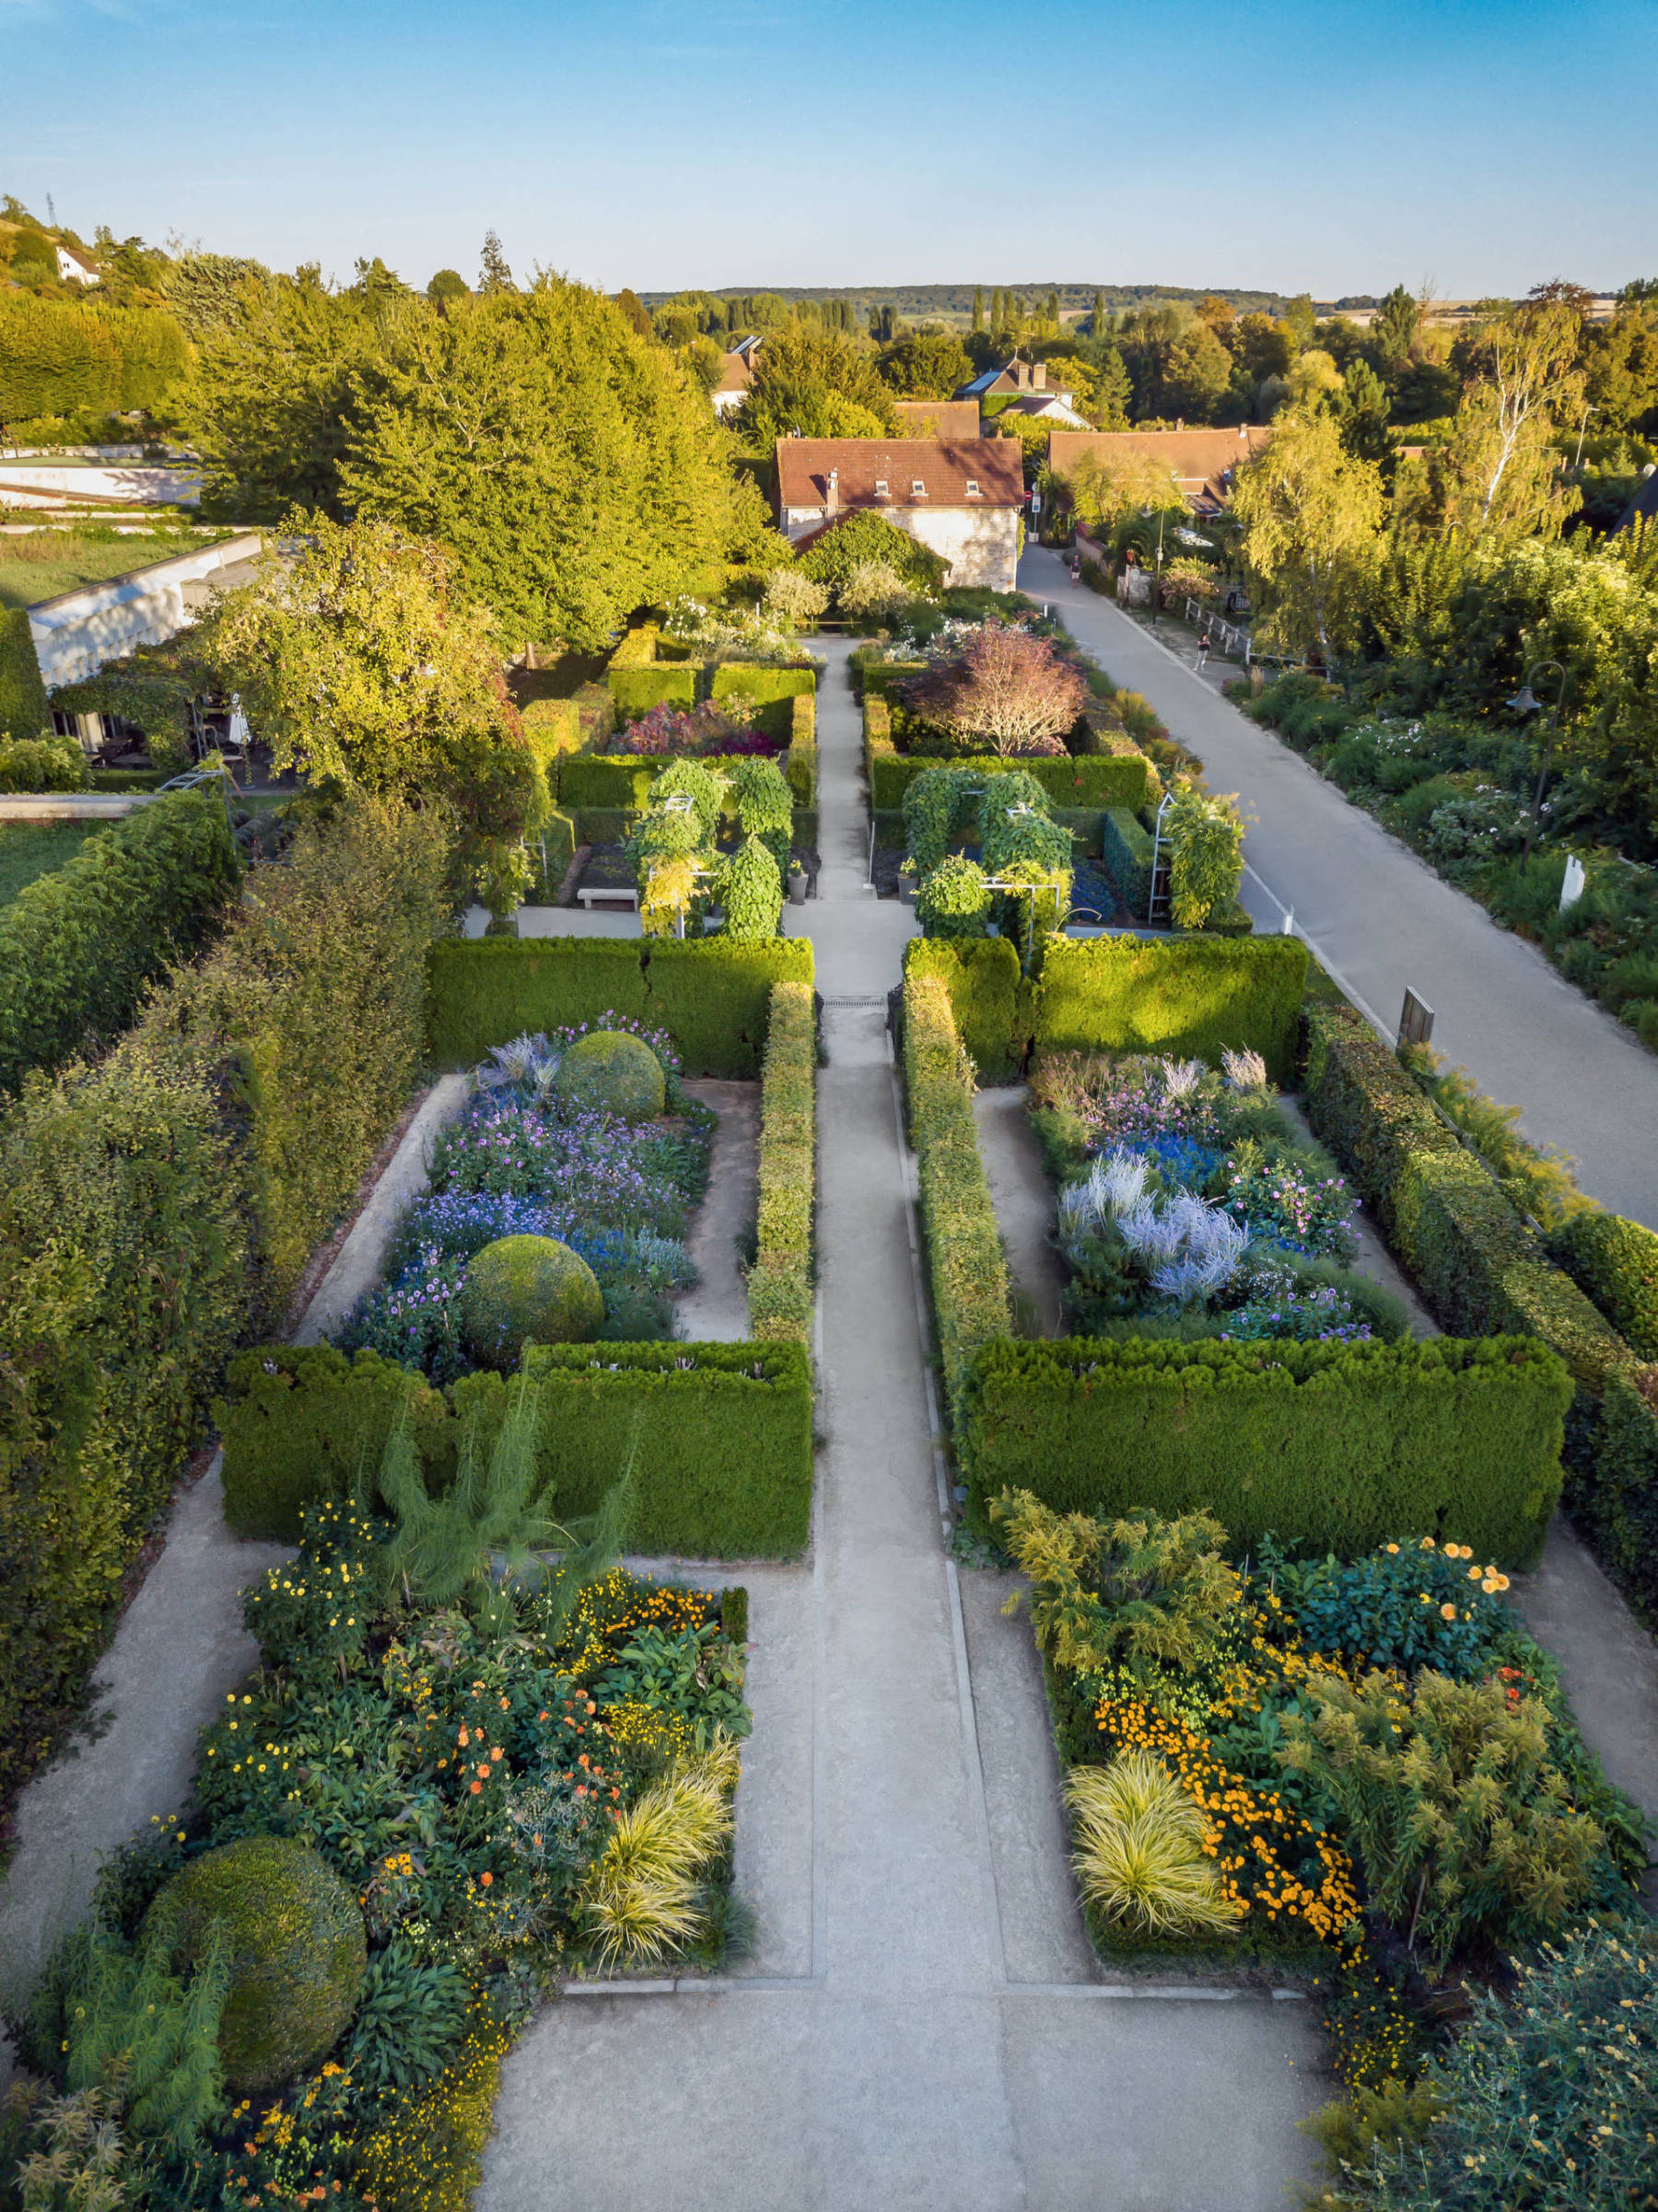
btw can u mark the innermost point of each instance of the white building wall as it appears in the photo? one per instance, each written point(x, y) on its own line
point(981, 544)
point(78, 632)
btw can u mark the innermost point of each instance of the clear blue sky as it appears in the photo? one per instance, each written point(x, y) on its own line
point(1330, 145)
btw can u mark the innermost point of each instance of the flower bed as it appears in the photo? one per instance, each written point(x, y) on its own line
point(522, 1162)
point(493, 1782)
point(1188, 1206)
point(1362, 1767)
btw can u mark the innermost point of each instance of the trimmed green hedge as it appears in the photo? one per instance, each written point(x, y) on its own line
point(1335, 1446)
point(1188, 994)
point(24, 710)
point(1478, 1265)
point(712, 996)
point(780, 1284)
point(1125, 848)
point(586, 781)
point(636, 691)
point(553, 728)
point(748, 680)
point(79, 945)
point(1615, 1263)
point(966, 1269)
point(720, 1437)
point(1621, 1503)
point(991, 1002)
point(637, 649)
point(801, 762)
point(1095, 781)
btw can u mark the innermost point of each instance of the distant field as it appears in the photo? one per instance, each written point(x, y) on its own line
point(39, 564)
point(32, 849)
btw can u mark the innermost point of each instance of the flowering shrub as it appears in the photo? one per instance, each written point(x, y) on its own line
point(706, 731)
point(1284, 1204)
point(999, 690)
point(1411, 1604)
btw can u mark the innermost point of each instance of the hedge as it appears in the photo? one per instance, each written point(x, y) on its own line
point(1615, 1263)
point(1092, 781)
point(780, 1284)
point(1179, 995)
point(989, 999)
point(586, 781)
point(967, 1271)
point(636, 690)
point(1620, 1504)
point(157, 1209)
point(800, 763)
point(553, 729)
point(720, 1437)
point(79, 945)
point(712, 996)
point(1480, 1268)
point(24, 711)
point(1337, 1448)
point(1125, 848)
point(762, 686)
point(637, 649)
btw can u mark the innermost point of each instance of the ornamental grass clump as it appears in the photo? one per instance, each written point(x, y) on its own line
point(641, 1900)
point(1144, 1854)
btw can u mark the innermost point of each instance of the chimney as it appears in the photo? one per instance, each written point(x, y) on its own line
point(832, 495)
point(1039, 376)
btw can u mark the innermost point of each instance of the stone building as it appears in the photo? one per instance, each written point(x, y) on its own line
point(961, 497)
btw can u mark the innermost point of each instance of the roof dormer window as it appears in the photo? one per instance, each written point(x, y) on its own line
point(917, 489)
point(972, 489)
point(881, 488)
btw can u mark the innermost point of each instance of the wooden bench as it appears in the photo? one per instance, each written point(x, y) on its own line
point(609, 897)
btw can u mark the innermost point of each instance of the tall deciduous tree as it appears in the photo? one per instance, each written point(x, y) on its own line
point(573, 470)
point(928, 368)
point(1310, 516)
point(820, 383)
point(1501, 470)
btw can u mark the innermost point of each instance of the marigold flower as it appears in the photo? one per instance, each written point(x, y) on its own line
point(1447, 1612)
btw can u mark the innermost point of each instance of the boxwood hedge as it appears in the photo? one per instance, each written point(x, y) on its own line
point(780, 1284)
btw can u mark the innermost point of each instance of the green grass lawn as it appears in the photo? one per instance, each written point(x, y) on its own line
point(32, 849)
point(39, 564)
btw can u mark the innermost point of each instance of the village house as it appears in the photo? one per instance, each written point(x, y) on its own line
point(960, 497)
point(1201, 462)
point(937, 418)
point(736, 375)
point(74, 268)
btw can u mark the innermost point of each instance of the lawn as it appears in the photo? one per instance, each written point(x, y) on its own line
point(32, 849)
point(39, 564)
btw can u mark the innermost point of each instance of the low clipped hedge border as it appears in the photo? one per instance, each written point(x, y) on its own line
point(780, 1284)
point(712, 997)
point(79, 945)
point(1179, 995)
point(720, 1437)
point(1337, 1447)
point(1092, 783)
point(621, 781)
point(966, 1269)
point(1615, 1263)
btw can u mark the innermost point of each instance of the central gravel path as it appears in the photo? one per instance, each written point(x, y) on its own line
point(923, 2025)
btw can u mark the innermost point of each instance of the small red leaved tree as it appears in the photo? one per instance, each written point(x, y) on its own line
point(1000, 691)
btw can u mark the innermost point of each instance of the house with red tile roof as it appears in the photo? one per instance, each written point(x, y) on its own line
point(962, 497)
point(1202, 462)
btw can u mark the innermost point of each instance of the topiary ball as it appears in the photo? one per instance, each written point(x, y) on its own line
point(527, 1290)
point(610, 1072)
point(296, 1952)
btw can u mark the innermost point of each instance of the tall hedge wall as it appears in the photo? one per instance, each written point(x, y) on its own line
point(748, 680)
point(966, 1269)
point(720, 1437)
point(79, 945)
point(1189, 994)
point(801, 762)
point(156, 1208)
point(780, 1284)
point(1091, 782)
point(1125, 848)
point(712, 996)
point(636, 690)
point(59, 355)
point(24, 711)
point(1337, 1447)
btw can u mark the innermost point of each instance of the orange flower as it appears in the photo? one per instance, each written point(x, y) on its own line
point(476, 1788)
point(486, 1879)
point(1447, 1612)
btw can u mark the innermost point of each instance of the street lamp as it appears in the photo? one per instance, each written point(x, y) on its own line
point(1527, 702)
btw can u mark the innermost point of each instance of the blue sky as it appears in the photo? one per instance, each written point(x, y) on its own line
point(1336, 147)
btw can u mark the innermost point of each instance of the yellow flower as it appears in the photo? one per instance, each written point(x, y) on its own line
point(1392, 1548)
point(1447, 1612)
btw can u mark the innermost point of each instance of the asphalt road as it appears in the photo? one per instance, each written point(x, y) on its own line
point(1380, 919)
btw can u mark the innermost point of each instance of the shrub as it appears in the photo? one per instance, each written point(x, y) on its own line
point(1465, 1829)
point(24, 712)
point(989, 999)
point(1186, 996)
point(1140, 1854)
point(712, 997)
point(953, 900)
point(78, 946)
point(1126, 856)
point(1545, 2101)
point(1619, 1495)
point(1206, 857)
point(636, 691)
point(528, 1290)
point(965, 1267)
point(863, 538)
point(1335, 1446)
point(765, 807)
point(294, 1946)
point(610, 1071)
point(49, 763)
point(793, 598)
point(751, 894)
point(553, 728)
point(1003, 692)
point(780, 1284)
point(1615, 1263)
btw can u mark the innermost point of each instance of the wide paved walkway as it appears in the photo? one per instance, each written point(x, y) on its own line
point(943, 2042)
point(1380, 919)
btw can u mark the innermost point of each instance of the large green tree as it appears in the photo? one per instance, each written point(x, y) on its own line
point(820, 383)
point(925, 367)
point(1310, 516)
point(574, 470)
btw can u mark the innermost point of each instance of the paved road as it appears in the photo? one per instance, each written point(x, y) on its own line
point(1380, 919)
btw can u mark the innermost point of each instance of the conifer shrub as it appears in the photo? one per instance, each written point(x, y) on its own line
point(1615, 1263)
point(528, 1290)
point(610, 1071)
point(295, 1946)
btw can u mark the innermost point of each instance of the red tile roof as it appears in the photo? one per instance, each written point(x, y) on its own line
point(938, 418)
point(1194, 458)
point(735, 373)
point(944, 466)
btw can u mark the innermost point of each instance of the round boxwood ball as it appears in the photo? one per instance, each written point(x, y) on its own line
point(610, 1072)
point(527, 1290)
point(296, 1953)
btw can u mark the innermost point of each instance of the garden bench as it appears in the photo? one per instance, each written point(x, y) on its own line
point(609, 896)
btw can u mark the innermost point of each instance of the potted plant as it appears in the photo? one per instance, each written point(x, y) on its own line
point(798, 883)
point(906, 882)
